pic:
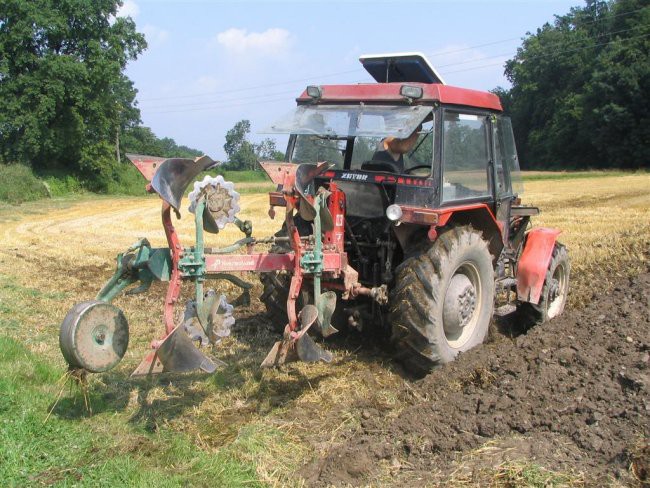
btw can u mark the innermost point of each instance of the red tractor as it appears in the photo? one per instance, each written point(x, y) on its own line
point(402, 213)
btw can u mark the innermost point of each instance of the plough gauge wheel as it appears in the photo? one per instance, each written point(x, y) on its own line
point(94, 336)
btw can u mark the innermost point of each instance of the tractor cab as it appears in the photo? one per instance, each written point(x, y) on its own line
point(464, 153)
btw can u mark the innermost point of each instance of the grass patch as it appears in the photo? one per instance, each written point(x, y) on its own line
point(18, 184)
point(128, 181)
point(61, 183)
point(531, 475)
point(103, 449)
point(247, 176)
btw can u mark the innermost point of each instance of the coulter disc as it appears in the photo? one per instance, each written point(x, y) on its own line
point(94, 336)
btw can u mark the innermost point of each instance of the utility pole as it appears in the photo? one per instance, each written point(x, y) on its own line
point(117, 144)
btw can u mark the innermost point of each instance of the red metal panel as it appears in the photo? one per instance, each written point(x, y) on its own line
point(263, 262)
point(336, 207)
point(533, 263)
point(147, 165)
point(174, 287)
point(278, 172)
point(472, 98)
point(389, 93)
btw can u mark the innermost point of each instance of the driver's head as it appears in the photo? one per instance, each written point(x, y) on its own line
point(402, 146)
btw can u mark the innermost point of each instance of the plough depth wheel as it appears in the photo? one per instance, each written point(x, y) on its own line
point(94, 336)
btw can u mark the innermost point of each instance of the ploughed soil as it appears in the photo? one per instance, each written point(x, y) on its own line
point(572, 396)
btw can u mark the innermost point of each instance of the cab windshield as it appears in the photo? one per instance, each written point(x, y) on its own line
point(351, 120)
point(349, 135)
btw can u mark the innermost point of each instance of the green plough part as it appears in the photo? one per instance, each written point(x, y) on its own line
point(139, 263)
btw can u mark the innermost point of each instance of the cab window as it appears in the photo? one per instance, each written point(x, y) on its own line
point(465, 156)
point(508, 177)
point(416, 162)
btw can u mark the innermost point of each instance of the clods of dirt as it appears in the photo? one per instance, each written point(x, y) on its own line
point(572, 395)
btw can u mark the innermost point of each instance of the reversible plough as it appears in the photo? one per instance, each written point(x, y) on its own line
point(94, 335)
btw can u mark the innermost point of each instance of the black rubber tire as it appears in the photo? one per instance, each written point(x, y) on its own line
point(548, 308)
point(274, 296)
point(275, 284)
point(416, 301)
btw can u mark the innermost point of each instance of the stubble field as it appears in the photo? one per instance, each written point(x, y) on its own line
point(566, 404)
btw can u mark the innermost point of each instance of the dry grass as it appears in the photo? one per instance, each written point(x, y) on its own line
point(58, 252)
point(605, 224)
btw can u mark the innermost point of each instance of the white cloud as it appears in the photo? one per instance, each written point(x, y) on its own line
point(155, 36)
point(273, 42)
point(128, 9)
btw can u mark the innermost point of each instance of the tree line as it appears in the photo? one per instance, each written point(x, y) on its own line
point(65, 102)
point(579, 96)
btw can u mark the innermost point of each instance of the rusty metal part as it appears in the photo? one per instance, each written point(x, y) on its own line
point(298, 345)
point(282, 352)
point(378, 293)
point(178, 354)
point(175, 174)
point(326, 307)
point(278, 171)
point(94, 336)
point(149, 365)
point(310, 352)
point(174, 287)
point(146, 165)
point(305, 175)
point(219, 205)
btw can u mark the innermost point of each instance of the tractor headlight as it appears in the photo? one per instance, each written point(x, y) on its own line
point(394, 212)
point(314, 92)
point(412, 92)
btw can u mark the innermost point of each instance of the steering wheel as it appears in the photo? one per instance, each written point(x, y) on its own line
point(419, 166)
point(381, 166)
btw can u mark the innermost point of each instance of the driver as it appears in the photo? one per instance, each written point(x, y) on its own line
point(391, 149)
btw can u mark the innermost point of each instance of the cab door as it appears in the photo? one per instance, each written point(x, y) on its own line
point(506, 166)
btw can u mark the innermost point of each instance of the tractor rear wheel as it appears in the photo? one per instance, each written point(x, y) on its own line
point(443, 300)
point(554, 292)
point(274, 296)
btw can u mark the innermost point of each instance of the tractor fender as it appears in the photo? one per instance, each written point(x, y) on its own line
point(480, 217)
point(533, 263)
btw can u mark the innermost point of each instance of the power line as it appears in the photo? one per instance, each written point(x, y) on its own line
point(211, 106)
point(235, 90)
point(257, 102)
point(248, 97)
point(556, 45)
point(553, 54)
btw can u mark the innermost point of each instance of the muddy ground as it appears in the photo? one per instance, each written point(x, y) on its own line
point(572, 395)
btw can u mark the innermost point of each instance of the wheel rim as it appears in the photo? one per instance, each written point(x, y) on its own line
point(461, 309)
point(557, 291)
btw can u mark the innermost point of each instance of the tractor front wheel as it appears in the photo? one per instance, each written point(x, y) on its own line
point(443, 300)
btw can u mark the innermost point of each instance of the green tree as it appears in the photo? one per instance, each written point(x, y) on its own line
point(63, 92)
point(243, 154)
point(141, 140)
point(580, 93)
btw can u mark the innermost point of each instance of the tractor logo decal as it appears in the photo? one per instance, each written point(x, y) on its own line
point(354, 177)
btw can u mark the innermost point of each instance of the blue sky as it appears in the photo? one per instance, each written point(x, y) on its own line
point(212, 63)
